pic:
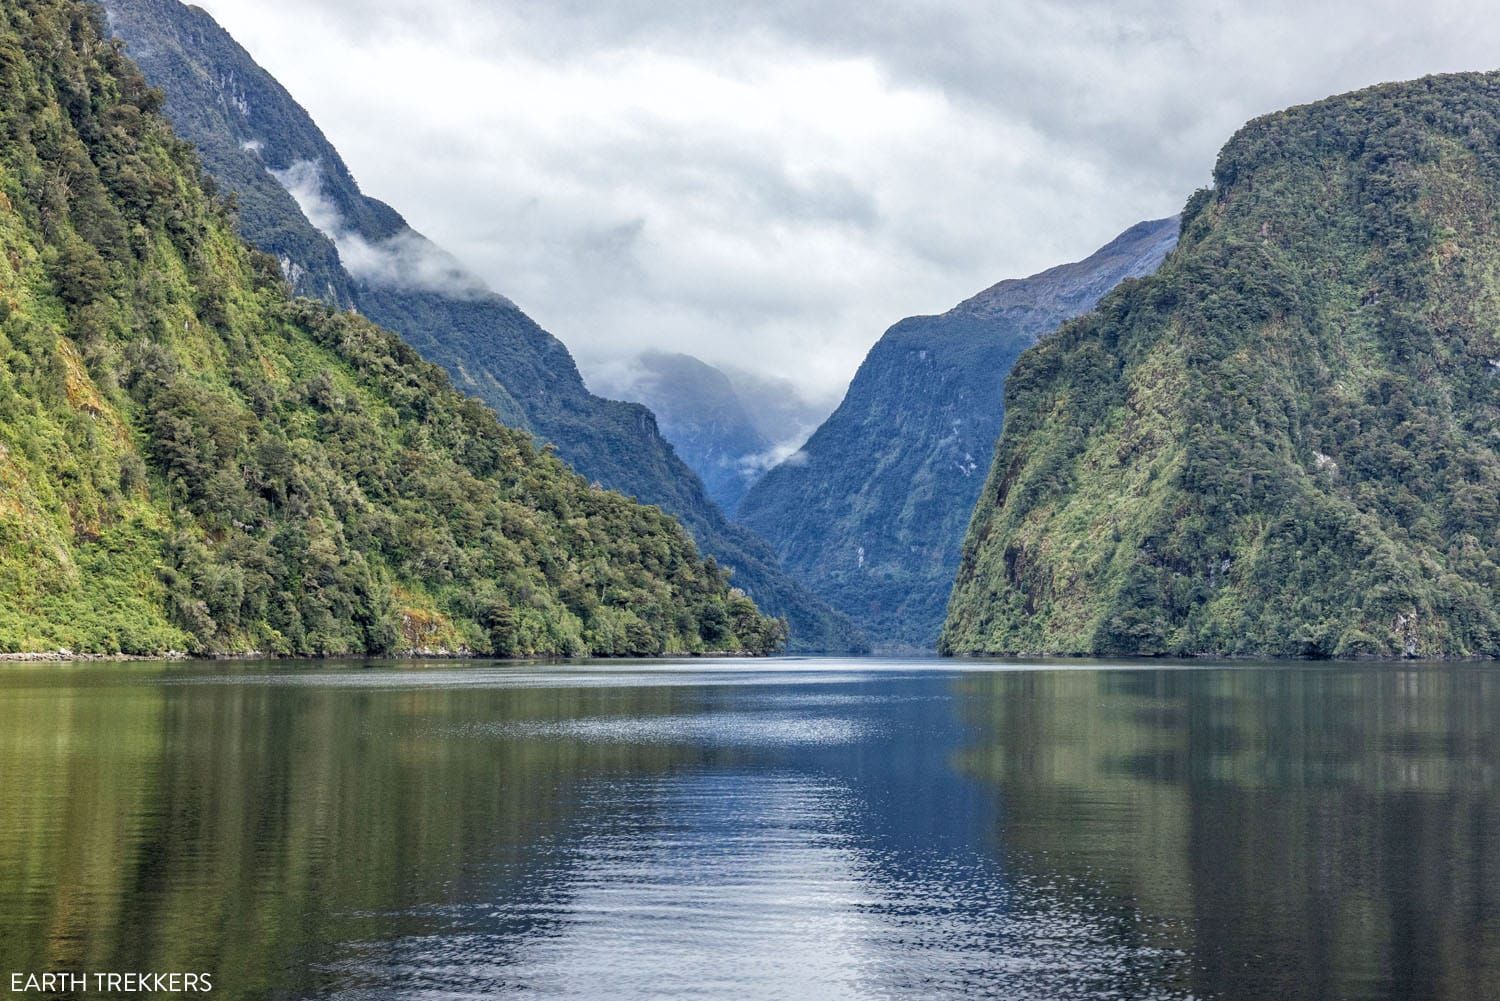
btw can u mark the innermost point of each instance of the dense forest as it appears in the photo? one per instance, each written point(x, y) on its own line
point(1287, 441)
point(191, 460)
point(253, 136)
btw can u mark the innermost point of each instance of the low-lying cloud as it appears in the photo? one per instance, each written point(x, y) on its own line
point(405, 260)
point(788, 452)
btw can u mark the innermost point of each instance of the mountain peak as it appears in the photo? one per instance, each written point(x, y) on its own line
point(870, 512)
point(1072, 288)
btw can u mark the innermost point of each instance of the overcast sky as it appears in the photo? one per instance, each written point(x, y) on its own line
point(773, 185)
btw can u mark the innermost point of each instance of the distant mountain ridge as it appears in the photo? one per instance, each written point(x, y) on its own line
point(781, 412)
point(1286, 442)
point(729, 426)
point(298, 201)
point(1036, 305)
point(871, 512)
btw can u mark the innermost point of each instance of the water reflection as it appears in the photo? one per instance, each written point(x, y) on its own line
point(248, 829)
point(784, 829)
point(1310, 832)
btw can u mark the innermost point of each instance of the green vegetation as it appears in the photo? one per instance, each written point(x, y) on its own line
point(871, 512)
point(244, 122)
point(1287, 441)
point(189, 460)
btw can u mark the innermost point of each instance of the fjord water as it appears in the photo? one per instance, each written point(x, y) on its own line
point(748, 829)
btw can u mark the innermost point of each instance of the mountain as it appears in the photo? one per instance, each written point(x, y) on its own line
point(871, 512)
point(780, 411)
point(298, 201)
point(700, 412)
point(191, 460)
point(1287, 441)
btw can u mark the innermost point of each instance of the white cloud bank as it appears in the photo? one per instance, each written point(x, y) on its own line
point(771, 185)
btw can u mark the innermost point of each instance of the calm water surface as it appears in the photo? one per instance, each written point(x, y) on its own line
point(741, 829)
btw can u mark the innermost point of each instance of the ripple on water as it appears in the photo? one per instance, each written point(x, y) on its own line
point(734, 729)
point(756, 885)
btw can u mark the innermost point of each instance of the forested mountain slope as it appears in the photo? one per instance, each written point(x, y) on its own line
point(191, 460)
point(298, 201)
point(1287, 441)
point(871, 512)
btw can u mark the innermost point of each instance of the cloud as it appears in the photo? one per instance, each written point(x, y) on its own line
point(405, 260)
point(303, 180)
point(775, 408)
point(771, 185)
point(788, 452)
point(795, 458)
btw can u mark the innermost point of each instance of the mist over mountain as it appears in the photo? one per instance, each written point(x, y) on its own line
point(700, 412)
point(871, 511)
point(729, 425)
point(1287, 441)
point(784, 416)
point(298, 201)
point(192, 461)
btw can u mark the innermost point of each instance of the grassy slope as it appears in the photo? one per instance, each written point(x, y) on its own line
point(189, 460)
point(1287, 441)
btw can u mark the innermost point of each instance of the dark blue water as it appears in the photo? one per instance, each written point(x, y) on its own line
point(742, 829)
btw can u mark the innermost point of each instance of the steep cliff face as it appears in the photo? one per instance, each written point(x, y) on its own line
point(871, 512)
point(298, 201)
point(190, 460)
point(1287, 441)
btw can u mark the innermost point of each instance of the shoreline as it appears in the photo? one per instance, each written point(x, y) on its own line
point(66, 656)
